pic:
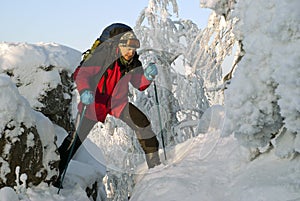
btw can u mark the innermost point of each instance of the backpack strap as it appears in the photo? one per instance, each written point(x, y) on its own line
point(88, 53)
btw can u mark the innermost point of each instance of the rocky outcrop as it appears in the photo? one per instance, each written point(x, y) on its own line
point(57, 102)
point(27, 140)
point(25, 152)
point(42, 74)
point(36, 93)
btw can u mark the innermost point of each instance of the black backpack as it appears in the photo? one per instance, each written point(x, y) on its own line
point(107, 41)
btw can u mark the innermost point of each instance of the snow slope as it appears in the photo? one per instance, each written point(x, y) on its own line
point(223, 174)
point(215, 168)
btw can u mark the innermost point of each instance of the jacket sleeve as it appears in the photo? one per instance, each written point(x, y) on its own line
point(84, 77)
point(138, 80)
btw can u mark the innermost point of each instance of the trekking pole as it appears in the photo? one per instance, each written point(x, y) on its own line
point(159, 118)
point(72, 148)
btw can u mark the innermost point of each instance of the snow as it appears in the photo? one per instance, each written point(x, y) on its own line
point(8, 194)
point(15, 107)
point(269, 72)
point(219, 6)
point(10, 98)
point(36, 58)
point(223, 173)
point(89, 159)
point(211, 166)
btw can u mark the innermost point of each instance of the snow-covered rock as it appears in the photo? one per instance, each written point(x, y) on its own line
point(42, 73)
point(27, 139)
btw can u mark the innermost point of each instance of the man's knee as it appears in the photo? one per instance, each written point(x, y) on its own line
point(142, 122)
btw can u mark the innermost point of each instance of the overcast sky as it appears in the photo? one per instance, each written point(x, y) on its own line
point(77, 23)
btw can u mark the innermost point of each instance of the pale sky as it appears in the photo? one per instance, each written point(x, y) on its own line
point(77, 23)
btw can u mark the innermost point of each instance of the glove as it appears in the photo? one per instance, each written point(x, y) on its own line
point(151, 71)
point(87, 97)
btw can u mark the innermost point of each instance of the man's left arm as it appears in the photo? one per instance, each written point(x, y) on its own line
point(139, 80)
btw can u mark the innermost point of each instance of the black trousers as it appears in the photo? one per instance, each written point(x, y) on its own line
point(134, 118)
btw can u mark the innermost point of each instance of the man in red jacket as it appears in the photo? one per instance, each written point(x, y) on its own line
point(103, 80)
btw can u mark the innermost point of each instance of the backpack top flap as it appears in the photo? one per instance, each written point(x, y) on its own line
point(115, 30)
point(104, 47)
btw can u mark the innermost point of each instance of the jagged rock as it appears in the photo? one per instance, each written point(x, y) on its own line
point(57, 102)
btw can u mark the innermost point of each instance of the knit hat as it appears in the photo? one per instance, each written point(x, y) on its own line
point(129, 39)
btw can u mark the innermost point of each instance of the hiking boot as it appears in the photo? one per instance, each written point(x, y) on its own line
point(57, 183)
point(152, 159)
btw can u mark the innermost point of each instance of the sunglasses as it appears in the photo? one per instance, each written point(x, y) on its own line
point(134, 43)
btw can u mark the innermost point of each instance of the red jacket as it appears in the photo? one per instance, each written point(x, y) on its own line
point(111, 93)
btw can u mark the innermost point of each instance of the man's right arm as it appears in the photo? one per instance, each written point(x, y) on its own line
point(83, 77)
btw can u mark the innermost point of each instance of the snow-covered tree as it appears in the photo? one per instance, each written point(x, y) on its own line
point(165, 41)
point(262, 109)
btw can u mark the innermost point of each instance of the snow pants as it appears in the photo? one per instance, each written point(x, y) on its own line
point(138, 121)
point(134, 118)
